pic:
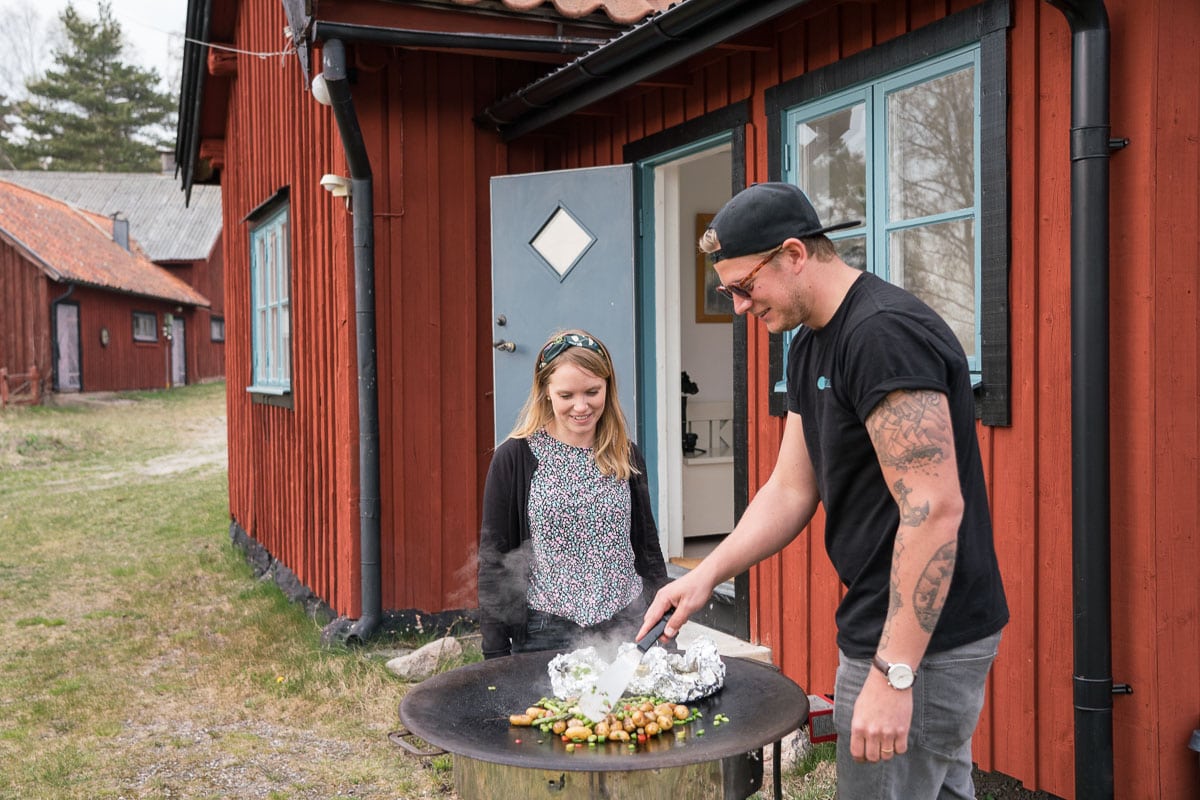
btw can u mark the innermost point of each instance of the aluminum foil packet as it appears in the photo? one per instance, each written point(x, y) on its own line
point(679, 677)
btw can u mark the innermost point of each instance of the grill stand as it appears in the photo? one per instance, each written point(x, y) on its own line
point(732, 778)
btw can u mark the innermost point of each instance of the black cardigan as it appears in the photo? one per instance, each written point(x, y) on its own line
point(504, 562)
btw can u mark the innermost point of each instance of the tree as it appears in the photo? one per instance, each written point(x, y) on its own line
point(91, 111)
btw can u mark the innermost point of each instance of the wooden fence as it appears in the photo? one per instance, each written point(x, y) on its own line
point(20, 387)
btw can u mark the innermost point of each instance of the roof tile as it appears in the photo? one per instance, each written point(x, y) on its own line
point(167, 228)
point(625, 12)
point(77, 246)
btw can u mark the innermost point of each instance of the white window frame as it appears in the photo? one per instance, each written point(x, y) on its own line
point(216, 328)
point(148, 320)
point(877, 227)
point(270, 302)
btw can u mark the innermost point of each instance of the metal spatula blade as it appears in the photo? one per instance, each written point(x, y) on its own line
point(612, 682)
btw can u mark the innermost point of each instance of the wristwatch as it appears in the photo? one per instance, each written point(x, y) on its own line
point(899, 676)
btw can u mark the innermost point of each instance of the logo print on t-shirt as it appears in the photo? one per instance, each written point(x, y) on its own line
point(824, 383)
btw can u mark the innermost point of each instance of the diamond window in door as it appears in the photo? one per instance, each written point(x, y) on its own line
point(562, 241)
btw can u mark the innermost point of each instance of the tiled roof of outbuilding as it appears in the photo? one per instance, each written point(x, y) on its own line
point(166, 228)
point(625, 12)
point(76, 246)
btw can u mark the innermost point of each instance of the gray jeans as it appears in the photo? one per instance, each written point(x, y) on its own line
point(947, 698)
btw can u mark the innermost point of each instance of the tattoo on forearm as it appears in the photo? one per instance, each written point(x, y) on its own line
point(910, 430)
point(896, 600)
point(909, 514)
point(929, 596)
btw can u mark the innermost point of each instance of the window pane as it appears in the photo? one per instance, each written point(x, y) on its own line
point(937, 264)
point(853, 251)
point(832, 164)
point(931, 147)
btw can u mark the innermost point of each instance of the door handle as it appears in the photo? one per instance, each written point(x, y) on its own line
point(507, 347)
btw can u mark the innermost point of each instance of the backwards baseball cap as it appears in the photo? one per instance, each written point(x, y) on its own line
point(763, 216)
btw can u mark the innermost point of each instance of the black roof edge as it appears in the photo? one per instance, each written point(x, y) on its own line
point(191, 92)
point(657, 43)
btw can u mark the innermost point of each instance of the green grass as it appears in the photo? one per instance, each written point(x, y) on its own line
point(142, 659)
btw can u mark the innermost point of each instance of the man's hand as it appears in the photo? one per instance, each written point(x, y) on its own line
point(686, 595)
point(881, 721)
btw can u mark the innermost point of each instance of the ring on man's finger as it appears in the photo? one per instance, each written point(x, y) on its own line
point(886, 750)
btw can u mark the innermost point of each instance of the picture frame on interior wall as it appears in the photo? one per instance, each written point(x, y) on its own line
point(711, 305)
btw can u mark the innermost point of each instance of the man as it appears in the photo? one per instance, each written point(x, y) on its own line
point(881, 430)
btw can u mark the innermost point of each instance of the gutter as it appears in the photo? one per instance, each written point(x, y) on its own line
point(653, 45)
point(333, 55)
point(1090, 448)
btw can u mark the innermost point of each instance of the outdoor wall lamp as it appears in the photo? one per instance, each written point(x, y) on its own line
point(336, 185)
point(320, 90)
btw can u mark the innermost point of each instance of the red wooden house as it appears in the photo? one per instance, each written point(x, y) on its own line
point(420, 191)
point(184, 239)
point(85, 310)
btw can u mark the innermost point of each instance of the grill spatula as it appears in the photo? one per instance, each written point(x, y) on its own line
point(612, 682)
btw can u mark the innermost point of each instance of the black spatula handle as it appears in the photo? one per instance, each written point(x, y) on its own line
point(647, 641)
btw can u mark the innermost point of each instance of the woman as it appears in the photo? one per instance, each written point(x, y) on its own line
point(568, 544)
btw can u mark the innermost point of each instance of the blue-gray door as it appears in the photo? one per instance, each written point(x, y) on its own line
point(562, 257)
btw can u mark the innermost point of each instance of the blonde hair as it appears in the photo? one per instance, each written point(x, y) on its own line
point(611, 450)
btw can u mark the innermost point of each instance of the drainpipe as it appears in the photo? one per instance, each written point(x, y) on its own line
point(1090, 489)
point(333, 54)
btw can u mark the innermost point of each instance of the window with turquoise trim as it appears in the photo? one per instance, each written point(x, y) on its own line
point(270, 294)
point(901, 153)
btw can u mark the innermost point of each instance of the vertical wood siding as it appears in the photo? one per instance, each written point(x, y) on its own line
point(24, 318)
point(205, 358)
point(294, 472)
point(1027, 726)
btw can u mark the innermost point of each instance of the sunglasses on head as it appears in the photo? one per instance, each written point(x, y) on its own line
point(745, 286)
point(559, 344)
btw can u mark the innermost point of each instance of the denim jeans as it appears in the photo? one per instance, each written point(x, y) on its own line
point(550, 632)
point(947, 698)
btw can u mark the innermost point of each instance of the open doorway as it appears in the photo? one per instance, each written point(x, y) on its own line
point(693, 371)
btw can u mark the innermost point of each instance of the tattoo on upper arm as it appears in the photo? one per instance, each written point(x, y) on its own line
point(911, 430)
point(929, 596)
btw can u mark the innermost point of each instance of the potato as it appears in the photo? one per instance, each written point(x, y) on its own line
point(520, 720)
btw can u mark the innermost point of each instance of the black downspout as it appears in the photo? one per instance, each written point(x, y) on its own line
point(363, 208)
point(1090, 488)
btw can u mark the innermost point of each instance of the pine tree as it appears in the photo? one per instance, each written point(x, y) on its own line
point(91, 111)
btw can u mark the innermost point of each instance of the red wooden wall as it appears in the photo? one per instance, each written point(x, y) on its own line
point(24, 320)
point(123, 363)
point(293, 472)
point(205, 357)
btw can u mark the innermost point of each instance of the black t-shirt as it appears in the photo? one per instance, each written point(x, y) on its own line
point(882, 339)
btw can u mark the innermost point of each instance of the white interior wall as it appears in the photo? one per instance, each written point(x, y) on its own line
point(706, 349)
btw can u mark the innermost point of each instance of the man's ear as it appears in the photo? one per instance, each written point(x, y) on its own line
point(796, 254)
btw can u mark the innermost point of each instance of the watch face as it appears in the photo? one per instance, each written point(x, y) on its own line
point(900, 676)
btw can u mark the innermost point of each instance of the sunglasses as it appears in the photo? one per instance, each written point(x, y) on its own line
point(745, 286)
point(559, 344)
